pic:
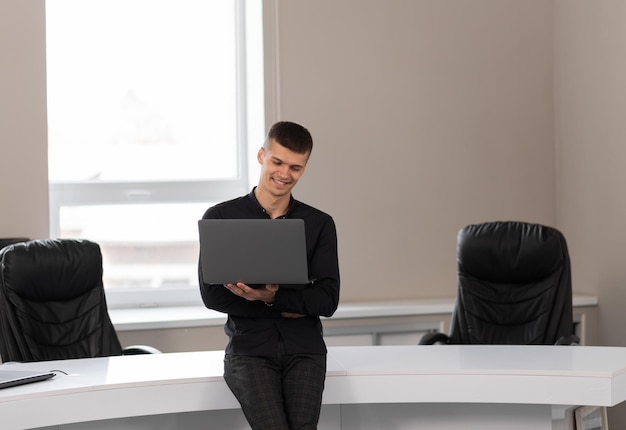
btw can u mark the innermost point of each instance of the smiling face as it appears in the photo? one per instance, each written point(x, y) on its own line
point(281, 168)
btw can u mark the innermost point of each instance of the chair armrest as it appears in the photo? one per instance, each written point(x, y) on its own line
point(434, 338)
point(140, 349)
point(571, 339)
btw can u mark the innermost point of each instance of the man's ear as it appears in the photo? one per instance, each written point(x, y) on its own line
point(260, 154)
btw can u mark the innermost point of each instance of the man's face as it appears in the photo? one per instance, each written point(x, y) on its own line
point(281, 168)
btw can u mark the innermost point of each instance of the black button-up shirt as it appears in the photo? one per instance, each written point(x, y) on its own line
point(253, 327)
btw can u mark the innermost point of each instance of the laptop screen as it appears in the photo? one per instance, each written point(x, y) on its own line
point(253, 251)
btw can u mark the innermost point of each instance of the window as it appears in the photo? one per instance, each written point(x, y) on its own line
point(151, 105)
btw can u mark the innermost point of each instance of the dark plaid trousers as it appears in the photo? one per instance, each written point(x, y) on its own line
point(278, 393)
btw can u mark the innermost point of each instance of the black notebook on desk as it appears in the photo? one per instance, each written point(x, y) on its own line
point(11, 378)
point(253, 251)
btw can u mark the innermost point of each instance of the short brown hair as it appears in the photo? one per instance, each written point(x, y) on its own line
point(292, 136)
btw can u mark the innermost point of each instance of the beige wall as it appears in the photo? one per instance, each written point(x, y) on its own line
point(590, 66)
point(23, 132)
point(427, 115)
point(591, 149)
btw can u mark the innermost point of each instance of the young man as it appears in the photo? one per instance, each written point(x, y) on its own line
point(275, 361)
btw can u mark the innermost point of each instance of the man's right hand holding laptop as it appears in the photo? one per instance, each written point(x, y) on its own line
point(266, 295)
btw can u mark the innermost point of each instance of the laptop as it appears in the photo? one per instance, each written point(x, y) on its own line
point(253, 251)
point(11, 378)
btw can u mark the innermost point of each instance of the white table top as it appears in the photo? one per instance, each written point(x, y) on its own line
point(566, 375)
point(182, 382)
point(512, 360)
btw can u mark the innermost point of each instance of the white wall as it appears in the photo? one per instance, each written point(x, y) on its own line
point(23, 128)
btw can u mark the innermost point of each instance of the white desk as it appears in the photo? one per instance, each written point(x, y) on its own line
point(412, 387)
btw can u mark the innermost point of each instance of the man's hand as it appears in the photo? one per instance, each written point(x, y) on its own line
point(290, 315)
point(264, 294)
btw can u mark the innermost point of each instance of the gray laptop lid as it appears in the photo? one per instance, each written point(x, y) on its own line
point(11, 378)
point(253, 251)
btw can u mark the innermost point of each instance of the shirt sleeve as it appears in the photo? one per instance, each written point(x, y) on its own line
point(321, 297)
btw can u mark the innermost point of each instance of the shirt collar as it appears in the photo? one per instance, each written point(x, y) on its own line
point(292, 203)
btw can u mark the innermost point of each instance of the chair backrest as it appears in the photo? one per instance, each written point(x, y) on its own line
point(6, 241)
point(52, 302)
point(514, 285)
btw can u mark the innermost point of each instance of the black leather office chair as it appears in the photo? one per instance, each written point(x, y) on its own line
point(514, 287)
point(52, 303)
point(6, 241)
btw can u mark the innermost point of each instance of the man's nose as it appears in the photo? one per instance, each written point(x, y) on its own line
point(284, 170)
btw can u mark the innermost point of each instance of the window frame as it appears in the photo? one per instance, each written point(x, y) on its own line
point(78, 193)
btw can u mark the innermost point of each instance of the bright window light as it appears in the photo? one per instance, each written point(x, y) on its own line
point(151, 105)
